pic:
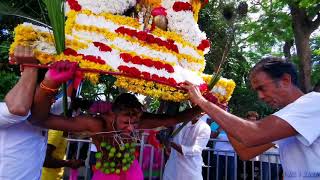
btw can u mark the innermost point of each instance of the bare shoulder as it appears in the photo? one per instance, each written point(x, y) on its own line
point(94, 124)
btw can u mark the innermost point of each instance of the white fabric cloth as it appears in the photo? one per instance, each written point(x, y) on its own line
point(22, 151)
point(7, 119)
point(57, 107)
point(300, 154)
point(193, 138)
point(204, 118)
point(22, 146)
point(93, 148)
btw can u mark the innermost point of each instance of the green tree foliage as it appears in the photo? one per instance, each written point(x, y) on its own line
point(284, 23)
point(7, 81)
point(315, 47)
point(221, 30)
point(104, 89)
point(267, 30)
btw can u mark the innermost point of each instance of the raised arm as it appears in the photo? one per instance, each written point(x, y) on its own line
point(19, 99)
point(149, 121)
point(247, 153)
point(249, 133)
point(58, 73)
point(73, 124)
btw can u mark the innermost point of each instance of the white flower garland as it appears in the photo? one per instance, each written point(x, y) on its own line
point(183, 23)
point(105, 6)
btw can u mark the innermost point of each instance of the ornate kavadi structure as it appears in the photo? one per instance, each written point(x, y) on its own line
point(151, 45)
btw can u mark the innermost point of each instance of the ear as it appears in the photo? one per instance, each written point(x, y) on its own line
point(286, 80)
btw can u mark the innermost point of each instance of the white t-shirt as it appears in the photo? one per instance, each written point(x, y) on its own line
point(22, 151)
point(22, 145)
point(300, 154)
point(193, 138)
point(7, 119)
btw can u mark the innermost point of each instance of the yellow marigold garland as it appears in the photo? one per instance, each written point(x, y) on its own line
point(196, 6)
point(150, 88)
point(227, 84)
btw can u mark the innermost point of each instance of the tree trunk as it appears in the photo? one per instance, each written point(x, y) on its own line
point(304, 55)
point(302, 37)
point(287, 49)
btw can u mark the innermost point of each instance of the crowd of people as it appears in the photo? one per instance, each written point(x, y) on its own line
point(25, 118)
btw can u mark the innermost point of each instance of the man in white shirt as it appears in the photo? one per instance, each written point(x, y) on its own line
point(295, 127)
point(185, 161)
point(22, 145)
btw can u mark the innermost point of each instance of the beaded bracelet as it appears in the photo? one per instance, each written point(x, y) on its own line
point(44, 87)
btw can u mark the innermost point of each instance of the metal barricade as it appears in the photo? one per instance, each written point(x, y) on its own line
point(218, 164)
point(85, 173)
point(221, 164)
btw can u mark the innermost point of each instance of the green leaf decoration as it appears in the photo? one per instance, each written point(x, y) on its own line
point(57, 20)
point(215, 78)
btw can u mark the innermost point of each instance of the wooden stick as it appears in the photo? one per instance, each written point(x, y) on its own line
point(88, 70)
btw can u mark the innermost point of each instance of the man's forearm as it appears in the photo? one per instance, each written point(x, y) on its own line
point(20, 97)
point(247, 153)
point(42, 103)
point(72, 124)
point(238, 128)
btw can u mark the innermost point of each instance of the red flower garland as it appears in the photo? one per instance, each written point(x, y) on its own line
point(204, 89)
point(149, 38)
point(147, 62)
point(74, 5)
point(95, 59)
point(102, 47)
point(138, 74)
point(182, 6)
point(204, 44)
point(70, 52)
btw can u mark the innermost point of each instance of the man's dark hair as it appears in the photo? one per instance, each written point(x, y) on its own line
point(126, 101)
point(276, 67)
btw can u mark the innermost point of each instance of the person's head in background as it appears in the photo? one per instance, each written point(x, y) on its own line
point(252, 116)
